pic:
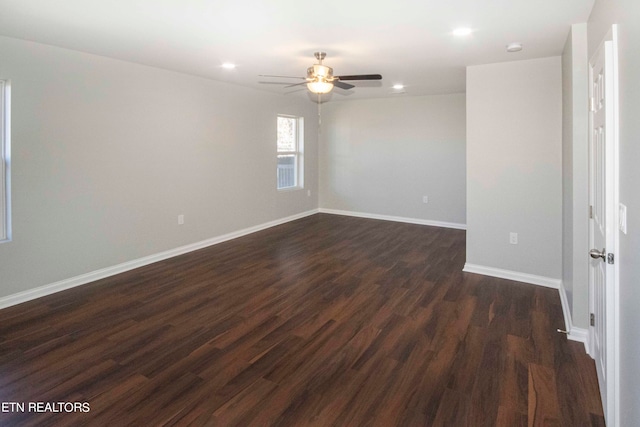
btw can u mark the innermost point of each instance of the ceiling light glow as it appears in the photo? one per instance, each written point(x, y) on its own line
point(514, 47)
point(320, 86)
point(461, 32)
point(228, 66)
point(398, 87)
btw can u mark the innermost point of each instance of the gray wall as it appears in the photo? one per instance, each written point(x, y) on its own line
point(626, 13)
point(514, 166)
point(381, 156)
point(575, 179)
point(107, 154)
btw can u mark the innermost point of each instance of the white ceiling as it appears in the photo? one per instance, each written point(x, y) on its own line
point(407, 41)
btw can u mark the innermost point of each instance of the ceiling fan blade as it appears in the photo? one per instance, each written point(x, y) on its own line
point(338, 83)
point(296, 84)
point(274, 83)
point(362, 77)
point(281, 77)
point(294, 91)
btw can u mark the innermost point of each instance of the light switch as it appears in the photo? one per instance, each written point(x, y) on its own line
point(622, 218)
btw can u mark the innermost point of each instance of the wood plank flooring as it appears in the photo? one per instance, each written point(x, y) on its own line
point(325, 321)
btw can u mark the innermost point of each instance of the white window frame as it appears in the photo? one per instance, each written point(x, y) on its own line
point(5, 161)
point(298, 153)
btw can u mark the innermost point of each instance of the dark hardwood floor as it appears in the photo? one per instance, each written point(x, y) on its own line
point(324, 321)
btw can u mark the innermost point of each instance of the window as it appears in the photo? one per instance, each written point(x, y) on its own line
point(290, 148)
point(5, 230)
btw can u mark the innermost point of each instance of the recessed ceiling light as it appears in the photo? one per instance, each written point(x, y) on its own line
point(514, 47)
point(461, 32)
point(398, 87)
point(228, 66)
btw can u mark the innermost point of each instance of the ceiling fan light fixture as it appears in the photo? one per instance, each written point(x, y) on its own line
point(320, 78)
point(320, 71)
point(320, 86)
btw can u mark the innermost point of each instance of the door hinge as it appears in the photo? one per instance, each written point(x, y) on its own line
point(592, 319)
point(590, 212)
point(610, 258)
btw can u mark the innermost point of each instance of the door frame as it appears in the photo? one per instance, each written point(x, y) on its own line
point(612, 390)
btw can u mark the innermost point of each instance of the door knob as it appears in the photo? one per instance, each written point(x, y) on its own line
point(595, 254)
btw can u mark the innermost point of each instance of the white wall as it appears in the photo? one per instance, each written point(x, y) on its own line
point(381, 156)
point(514, 166)
point(107, 154)
point(575, 179)
point(626, 13)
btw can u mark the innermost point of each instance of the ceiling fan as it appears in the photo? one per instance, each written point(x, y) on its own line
point(320, 78)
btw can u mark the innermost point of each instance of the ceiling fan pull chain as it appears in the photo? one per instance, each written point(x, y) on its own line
point(319, 112)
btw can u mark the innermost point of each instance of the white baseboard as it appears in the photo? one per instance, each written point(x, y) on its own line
point(396, 219)
point(83, 279)
point(574, 333)
point(580, 335)
point(547, 282)
point(566, 312)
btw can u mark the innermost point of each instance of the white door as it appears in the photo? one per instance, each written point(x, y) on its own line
point(602, 198)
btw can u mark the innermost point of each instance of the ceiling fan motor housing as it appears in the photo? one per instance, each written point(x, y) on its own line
point(320, 72)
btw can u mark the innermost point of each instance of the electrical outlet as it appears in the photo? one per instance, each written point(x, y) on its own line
point(425, 199)
point(180, 219)
point(513, 238)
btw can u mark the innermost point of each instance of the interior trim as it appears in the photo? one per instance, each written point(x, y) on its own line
point(92, 276)
point(547, 282)
point(575, 333)
point(396, 218)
